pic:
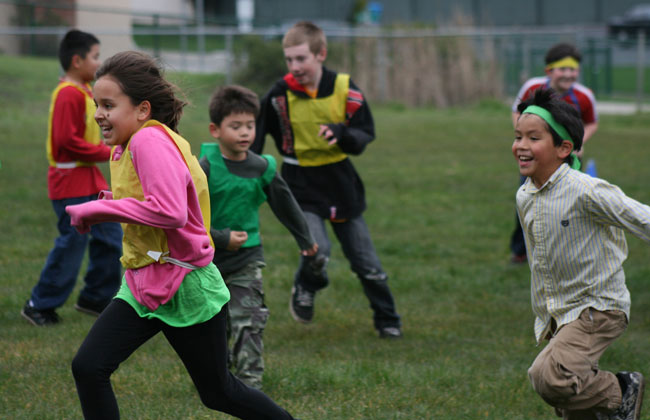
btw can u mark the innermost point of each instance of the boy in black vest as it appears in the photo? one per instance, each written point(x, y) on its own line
point(317, 118)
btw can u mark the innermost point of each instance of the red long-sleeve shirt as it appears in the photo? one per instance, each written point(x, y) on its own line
point(69, 145)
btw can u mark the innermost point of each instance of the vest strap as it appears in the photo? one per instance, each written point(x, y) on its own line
point(66, 165)
point(160, 256)
point(290, 160)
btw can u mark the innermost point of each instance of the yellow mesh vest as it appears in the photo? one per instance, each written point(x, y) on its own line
point(91, 134)
point(306, 116)
point(138, 239)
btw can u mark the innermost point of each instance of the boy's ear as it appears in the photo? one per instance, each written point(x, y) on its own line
point(564, 149)
point(215, 131)
point(144, 111)
point(322, 55)
point(76, 61)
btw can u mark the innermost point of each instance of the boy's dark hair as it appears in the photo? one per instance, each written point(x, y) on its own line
point(561, 50)
point(564, 113)
point(141, 79)
point(233, 99)
point(75, 42)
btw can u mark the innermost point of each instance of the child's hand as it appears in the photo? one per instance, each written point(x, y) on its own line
point(310, 252)
point(327, 134)
point(237, 239)
point(76, 219)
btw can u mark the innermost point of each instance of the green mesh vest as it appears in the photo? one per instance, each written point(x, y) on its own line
point(235, 201)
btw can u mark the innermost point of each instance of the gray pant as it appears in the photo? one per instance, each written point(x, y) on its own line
point(566, 374)
point(354, 237)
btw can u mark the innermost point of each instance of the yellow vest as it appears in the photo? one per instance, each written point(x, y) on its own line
point(306, 116)
point(91, 134)
point(138, 240)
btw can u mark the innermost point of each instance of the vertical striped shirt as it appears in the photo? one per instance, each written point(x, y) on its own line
point(573, 226)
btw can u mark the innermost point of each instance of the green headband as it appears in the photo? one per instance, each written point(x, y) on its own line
point(559, 128)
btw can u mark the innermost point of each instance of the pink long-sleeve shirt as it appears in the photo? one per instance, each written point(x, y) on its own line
point(170, 203)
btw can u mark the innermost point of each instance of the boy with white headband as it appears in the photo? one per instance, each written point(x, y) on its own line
point(562, 71)
point(574, 231)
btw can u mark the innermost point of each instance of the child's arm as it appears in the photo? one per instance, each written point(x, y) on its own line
point(609, 204)
point(267, 121)
point(359, 128)
point(286, 209)
point(68, 126)
point(165, 181)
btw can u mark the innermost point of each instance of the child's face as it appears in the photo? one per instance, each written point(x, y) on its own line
point(117, 117)
point(534, 150)
point(305, 66)
point(88, 66)
point(562, 78)
point(236, 133)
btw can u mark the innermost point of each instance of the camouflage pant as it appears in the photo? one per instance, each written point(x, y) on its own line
point(247, 317)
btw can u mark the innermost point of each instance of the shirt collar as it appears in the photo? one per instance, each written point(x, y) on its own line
point(559, 173)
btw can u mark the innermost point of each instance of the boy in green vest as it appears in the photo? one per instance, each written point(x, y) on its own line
point(318, 118)
point(239, 182)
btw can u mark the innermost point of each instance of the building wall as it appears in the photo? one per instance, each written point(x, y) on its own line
point(113, 29)
point(9, 44)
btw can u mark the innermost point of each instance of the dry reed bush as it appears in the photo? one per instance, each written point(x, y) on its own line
point(429, 70)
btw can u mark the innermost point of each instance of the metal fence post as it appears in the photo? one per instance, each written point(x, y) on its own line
point(229, 57)
point(640, 66)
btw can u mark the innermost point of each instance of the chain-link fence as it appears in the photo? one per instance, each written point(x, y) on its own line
point(441, 67)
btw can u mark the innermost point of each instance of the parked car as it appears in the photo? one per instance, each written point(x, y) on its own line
point(634, 20)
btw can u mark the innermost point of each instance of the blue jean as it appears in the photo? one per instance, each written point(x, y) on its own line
point(58, 278)
point(354, 237)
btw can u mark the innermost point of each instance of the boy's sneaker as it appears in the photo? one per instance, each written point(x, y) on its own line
point(39, 317)
point(390, 332)
point(632, 386)
point(88, 307)
point(301, 304)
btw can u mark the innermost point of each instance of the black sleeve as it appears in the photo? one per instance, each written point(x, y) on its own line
point(205, 165)
point(286, 209)
point(267, 122)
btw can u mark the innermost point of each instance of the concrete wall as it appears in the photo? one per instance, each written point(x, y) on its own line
point(113, 29)
point(9, 44)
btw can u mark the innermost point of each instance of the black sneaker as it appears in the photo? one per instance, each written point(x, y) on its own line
point(632, 387)
point(88, 307)
point(39, 317)
point(301, 304)
point(390, 332)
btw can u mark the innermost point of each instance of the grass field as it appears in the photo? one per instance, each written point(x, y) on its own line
point(440, 184)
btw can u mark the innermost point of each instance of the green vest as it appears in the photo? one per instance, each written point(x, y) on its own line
point(235, 201)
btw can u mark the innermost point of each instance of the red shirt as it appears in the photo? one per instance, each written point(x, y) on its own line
point(69, 145)
point(580, 96)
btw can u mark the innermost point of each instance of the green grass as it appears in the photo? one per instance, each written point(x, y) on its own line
point(440, 184)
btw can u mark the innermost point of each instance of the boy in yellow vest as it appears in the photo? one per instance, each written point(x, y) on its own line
point(317, 118)
point(73, 146)
point(240, 181)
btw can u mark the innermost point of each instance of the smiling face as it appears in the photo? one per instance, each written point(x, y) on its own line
point(534, 150)
point(562, 78)
point(304, 65)
point(117, 117)
point(236, 134)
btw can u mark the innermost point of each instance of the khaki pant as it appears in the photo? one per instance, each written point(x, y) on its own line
point(566, 374)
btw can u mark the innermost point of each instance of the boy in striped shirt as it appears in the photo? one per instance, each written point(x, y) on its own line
point(573, 227)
